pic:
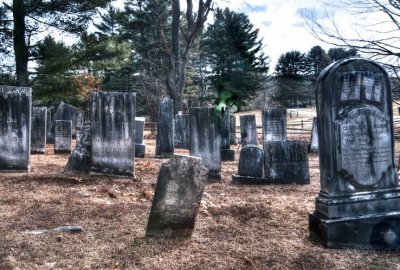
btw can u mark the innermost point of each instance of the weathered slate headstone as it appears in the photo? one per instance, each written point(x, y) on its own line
point(205, 139)
point(314, 136)
point(63, 137)
point(274, 125)
point(79, 161)
point(49, 134)
point(248, 125)
point(15, 128)
point(286, 162)
point(165, 128)
point(359, 202)
point(38, 130)
point(182, 131)
point(68, 113)
point(113, 133)
point(251, 165)
point(227, 154)
point(232, 132)
point(177, 197)
point(140, 147)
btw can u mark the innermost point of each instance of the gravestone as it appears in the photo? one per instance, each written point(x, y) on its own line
point(205, 139)
point(15, 128)
point(140, 147)
point(286, 162)
point(182, 131)
point(251, 165)
point(79, 161)
point(359, 202)
point(63, 137)
point(248, 124)
point(177, 197)
point(314, 136)
point(113, 133)
point(274, 125)
point(49, 135)
point(232, 132)
point(227, 154)
point(68, 113)
point(165, 128)
point(38, 130)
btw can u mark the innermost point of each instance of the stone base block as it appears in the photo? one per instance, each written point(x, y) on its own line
point(62, 151)
point(38, 150)
point(227, 155)
point(213, 176)
point(379, 231)
point(239, 179)
point(140, 150)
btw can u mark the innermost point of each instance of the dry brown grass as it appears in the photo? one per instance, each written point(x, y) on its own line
point(238, 227)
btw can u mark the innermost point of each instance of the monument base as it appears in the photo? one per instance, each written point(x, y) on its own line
point(377, 231)
point(213, 176)
point(248, 180)
point(140, 150)
point(62, 151)
point(227, 155)
point(38, 151)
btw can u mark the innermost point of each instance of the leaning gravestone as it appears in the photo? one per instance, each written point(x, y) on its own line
point(314, 136)
point(79, 161)
point(38, 130)
point(251, 164)
point(182, 131)
point(248, 125)
point(113, 133)
point(177, 197)
point(227, 154)
point(359, 202)
point(232, 131)
point(63, 137)
point(205, 139)
point(274, 125)
point(140, 147)
point(286, 162)
point(15, 128)
point(68, 113)
point(165, 128)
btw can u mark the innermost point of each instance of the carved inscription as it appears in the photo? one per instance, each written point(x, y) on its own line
point(275, 130)
point(358, 85)
point(365, 145)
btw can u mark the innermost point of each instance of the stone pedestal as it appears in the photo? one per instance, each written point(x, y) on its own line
point(359, 202)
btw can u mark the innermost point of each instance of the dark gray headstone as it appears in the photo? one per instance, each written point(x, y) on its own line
point(251, 166)
point(248, 125)
point(274, 125)
point(205, 139)
point(63, 137)
point(113, 133)
point(49, 134)
point(177, 197)
point(15, 128)
point(359, 202)
point(165, 128)
point(79, 161)
point(314, 136)
point(68, 113)
point(38, 130)
point(232, 132)
point(182, 131)
point(227, 154)
point(286, 162)
point(140, 147)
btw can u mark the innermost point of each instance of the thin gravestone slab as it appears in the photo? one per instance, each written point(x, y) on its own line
point(165, 128)
point(140, 147)
point(15, 128)
point(180, 185)
point(227, 154)
point(248, 125)
point(65, 112)
point(314, 136)
point(359, 202)
point(232, 132)
point(80, 159)
point(63, 137)
point(113, 133)
point(274, 123)
point(38, 130)
point(251, 166)
point(182, 131)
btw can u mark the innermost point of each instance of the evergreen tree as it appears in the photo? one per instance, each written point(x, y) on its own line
point(316, 60)
point(291, 65)
point(339, 53)
point(233, 50)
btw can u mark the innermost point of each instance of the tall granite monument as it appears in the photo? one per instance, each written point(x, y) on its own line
point(113, 133)
point(205, 139)
point(165, 128)
point(15, 128)
point(359, 202)
point(38, 130)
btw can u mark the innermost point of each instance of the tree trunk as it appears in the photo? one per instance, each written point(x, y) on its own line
point(20, 46)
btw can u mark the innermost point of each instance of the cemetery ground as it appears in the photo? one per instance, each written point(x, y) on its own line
point(238, 227)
